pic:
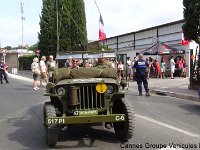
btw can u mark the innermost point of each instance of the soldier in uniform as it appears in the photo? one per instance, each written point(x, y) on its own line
point(140, 72)
point(103, 63)
point(51, 66)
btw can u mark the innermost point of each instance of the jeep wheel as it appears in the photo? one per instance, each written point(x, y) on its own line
point(124, 130)
point(51, 132)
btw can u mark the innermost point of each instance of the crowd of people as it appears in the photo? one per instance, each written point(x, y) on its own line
point(141, 70)
point(155, 68)
point(43, 70)
point(138, 69)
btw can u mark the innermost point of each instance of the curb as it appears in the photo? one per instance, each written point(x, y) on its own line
point(22, 78)
point(16, 76)
point(177, 95)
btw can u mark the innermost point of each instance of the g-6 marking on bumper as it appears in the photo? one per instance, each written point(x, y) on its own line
point(85, 119)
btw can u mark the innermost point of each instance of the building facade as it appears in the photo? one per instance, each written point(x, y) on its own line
point(170, 34)
point(11, 58)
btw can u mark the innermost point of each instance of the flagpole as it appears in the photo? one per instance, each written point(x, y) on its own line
point(97, 7)
point(100, 18)
point(98, 10)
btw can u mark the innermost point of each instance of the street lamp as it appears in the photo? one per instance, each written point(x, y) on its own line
point(57, 32)
point(22, 17)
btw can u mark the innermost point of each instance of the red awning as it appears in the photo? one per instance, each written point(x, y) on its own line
point(161, 49)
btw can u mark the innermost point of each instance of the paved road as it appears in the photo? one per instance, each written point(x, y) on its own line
point(177, 87)
point(160, 121)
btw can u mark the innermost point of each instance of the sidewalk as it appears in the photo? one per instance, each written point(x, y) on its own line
point(177, 87)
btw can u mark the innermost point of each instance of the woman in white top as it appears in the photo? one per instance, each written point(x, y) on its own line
point(43, 69)
point(34, 67)
point(172, 67)
point(120, 69)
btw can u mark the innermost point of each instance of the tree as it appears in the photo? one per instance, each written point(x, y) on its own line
point(8, 47)
point(71, 25)
point(47, 40)
point(64, 26)
point(78, 24)
point(191, 27)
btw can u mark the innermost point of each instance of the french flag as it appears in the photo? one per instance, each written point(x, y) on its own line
point(184, 40)
point(102, 35)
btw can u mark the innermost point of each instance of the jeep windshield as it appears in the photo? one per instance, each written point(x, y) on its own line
point(85, 58)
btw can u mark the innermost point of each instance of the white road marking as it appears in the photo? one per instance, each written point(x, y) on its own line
point(168, 126)
point(23, 78)
point(20, 77)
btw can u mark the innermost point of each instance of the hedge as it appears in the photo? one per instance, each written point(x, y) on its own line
point(25, 62)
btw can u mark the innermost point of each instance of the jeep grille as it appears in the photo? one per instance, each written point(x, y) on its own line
point(89, 98)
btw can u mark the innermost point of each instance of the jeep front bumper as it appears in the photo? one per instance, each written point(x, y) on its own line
point(85, 119)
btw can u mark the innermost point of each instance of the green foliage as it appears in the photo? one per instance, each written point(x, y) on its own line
point(71, 26)
point(64, 26)
point(47, 35)
point(25, 62)
point(78, 24)
point(191, 30)
point(191, 26)
point(105, 47)
point(8, 47)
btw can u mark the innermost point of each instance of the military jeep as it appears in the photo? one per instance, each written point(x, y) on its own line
point(86, 96)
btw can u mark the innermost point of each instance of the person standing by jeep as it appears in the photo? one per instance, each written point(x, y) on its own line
point(43, 70)
point(51, 66)
point(140, 71)
point(34, 67)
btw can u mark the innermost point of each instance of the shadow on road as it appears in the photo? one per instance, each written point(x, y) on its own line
point(192, 109)
point(79, 136)
point(30, 133)
point(29, 129)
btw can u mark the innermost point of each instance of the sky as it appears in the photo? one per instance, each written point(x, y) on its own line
point(119, 16)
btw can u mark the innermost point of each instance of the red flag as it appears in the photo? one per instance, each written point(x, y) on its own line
point(184, 40)
point(102, 35)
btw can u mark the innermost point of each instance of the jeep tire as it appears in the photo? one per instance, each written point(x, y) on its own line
point(124, 130)
point(51, 131)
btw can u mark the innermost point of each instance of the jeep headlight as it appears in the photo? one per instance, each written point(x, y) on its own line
point(110, 89)
point(61, 91)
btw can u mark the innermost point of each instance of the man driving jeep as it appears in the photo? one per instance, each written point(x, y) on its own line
point(74, 63)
